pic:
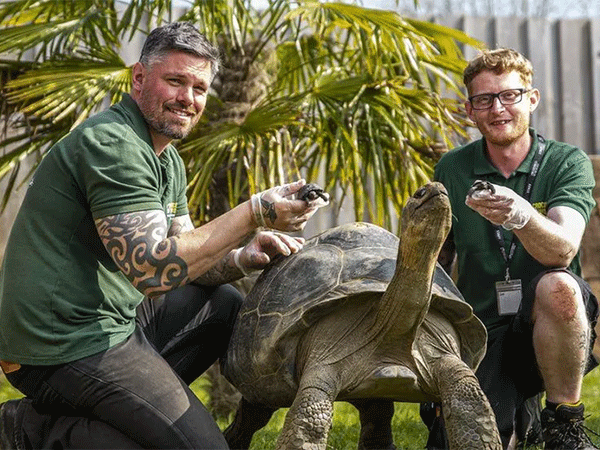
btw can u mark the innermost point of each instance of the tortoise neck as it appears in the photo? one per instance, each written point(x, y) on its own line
point(406, 300)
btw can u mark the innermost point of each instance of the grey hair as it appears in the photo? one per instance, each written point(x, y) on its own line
point(179, 36)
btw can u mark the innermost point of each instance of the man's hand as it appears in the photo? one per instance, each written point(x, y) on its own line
point(279, 209)
point(264, 247)
point(501, 206)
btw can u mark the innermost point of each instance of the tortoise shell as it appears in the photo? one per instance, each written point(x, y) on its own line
point(294, 292)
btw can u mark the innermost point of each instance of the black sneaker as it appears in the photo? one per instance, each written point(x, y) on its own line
point(532, 441)
point(563, 429)
point(10, 432)
point(528, 425)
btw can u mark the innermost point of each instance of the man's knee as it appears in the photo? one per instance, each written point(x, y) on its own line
point(558, 295)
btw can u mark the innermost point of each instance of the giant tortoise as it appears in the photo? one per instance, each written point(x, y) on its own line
point(359, 314)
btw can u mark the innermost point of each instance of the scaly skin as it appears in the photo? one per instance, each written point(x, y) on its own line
point(470, 421)
point(308, 421)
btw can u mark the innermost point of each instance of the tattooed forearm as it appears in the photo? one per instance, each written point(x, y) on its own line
point(224, 271)
point(138, 244)
point(181, 224)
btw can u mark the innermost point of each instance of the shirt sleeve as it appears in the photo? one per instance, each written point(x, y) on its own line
point(118, 172)
point(182, 201)
point(573, 184)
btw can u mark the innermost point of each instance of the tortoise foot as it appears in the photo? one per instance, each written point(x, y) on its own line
point(470, 421)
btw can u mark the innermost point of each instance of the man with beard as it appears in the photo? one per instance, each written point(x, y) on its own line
point(111, 301)
point(516, 241)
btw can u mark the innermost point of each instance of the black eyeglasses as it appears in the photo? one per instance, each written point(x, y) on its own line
point(507, 97)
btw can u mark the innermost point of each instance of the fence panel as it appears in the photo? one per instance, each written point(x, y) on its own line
point(566, 58)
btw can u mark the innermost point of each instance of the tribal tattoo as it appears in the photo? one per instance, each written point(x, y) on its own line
point(224, 271)
point(138, 244)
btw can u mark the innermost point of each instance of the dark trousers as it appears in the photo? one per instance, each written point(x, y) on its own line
point(136, 394)
point(509, 374)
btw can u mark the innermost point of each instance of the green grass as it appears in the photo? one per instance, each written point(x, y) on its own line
point(409, 432)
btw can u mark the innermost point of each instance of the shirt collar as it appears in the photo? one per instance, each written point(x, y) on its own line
point(138, 123)
point(482, 165)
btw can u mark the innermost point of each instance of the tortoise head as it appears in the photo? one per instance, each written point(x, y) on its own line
point(426, 219)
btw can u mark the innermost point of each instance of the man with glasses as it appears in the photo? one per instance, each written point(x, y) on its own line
point(516, 243)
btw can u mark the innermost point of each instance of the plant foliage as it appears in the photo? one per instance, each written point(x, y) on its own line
point(360, 98)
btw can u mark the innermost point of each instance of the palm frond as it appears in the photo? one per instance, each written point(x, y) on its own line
point(54, 90)
point(143, 15)
point(215, 16)
point(255, 148)
point(362, 93)
point(378, 136)
point(26, 139)
point(49, 27)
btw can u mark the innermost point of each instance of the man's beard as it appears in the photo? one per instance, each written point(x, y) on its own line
point(521, 126)
point(167, 129)
point(159, 120)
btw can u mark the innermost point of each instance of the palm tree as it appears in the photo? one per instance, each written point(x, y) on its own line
point(364, 98)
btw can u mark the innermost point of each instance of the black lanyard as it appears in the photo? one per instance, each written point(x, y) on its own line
point(535, 167)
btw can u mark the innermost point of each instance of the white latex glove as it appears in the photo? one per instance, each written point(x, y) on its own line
point(263, 247)
point(500, 205)
point(279, 208)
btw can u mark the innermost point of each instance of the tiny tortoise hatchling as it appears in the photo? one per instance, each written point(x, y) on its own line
point(357, 315)
point(481, 186)
point(311, 192)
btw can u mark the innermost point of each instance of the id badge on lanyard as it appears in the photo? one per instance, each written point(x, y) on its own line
point(510, 292)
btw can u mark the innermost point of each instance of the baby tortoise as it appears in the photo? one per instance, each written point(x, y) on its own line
point(311, 191)
point(481, 185)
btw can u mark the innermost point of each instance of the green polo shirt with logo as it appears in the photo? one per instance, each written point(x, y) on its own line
point(62, 297)
point(565, 178)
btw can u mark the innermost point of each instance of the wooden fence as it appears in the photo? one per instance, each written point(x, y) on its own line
point(566, 58)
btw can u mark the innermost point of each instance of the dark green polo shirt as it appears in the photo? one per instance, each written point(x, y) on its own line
point(62, 297)
point(565, 178)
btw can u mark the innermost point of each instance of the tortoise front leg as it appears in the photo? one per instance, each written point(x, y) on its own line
point(308, 420)
point(470, 421)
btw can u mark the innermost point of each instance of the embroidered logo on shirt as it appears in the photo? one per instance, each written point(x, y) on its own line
point(171, 210)
point(541, 207)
